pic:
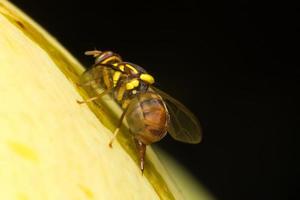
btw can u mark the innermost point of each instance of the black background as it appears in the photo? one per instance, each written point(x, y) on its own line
point(234, 63)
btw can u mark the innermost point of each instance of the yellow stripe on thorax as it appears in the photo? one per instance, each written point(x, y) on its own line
point(147, 78)
point(120, 93)
point(135, 71)
point(116, 77)
point(119, 66)
point(132, 84)
point(110, 59)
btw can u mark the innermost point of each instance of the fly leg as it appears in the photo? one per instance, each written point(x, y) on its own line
point(89, 83)
point(142, 150)
point(95, 97)
point(118, 127)
point(94, 53)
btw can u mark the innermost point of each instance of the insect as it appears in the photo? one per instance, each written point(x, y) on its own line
point(150, 112)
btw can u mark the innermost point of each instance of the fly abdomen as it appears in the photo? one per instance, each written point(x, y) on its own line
point(148, 117)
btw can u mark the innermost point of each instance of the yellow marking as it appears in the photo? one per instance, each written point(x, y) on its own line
point(125, 103)
point(106, 78)
point(116, 77)
point(88, 193)
point(132, 68)
point(121, 67)
point(110, 59)
point(23, 151)
point(132, 84)
point(121, 92)
point(147, 78)
point(133, 91)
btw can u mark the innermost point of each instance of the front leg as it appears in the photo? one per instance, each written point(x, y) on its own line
point(93, 53)
point(95, 97)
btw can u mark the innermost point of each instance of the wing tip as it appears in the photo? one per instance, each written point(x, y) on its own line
point(196, 141)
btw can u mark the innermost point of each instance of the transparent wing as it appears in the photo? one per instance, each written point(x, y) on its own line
point(92, 79)
point(184, 126)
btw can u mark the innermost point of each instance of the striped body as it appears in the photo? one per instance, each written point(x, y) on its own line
point(147, 115)
point(143, 107)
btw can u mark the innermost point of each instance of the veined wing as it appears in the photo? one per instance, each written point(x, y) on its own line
point(184, 126)
point(93, 79)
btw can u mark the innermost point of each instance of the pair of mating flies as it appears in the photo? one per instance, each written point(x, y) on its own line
point(149, 112)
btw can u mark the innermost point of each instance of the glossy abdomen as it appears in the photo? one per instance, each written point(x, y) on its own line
point(148, 117)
